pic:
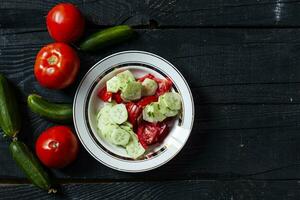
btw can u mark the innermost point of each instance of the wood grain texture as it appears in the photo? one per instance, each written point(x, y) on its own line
point(245, 84)
point(209, 190)
point(222, 65)
point(164, 12)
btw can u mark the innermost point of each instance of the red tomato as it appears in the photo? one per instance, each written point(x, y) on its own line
point(164, 85)
point(150, 76)
point(147, 100)
point(65, 23)
point(56, 66)
point(104, 95)
point(57, 147)
point(152, 133)
point(134, 111)
point(117, 97)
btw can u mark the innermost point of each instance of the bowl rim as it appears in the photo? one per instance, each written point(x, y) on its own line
point(138, 52)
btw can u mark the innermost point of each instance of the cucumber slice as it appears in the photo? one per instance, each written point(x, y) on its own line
point(104, 119)
point(119, 137)
point(149, 87)
point(118, 113)
point(127, 124)
point(106, 131)
point(172, 100)
point(134, 148)
point(104, 110)
point(165, 110)
point(132, 91)
point(113, 84)
point(152, 113)
point(124, 78)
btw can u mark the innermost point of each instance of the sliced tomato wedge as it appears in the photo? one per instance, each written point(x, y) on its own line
point(117, 97)
point(164, 85)
point(150, 76)
point(147, 100)
point(134, 111)
point(152, 133)
point(140, 134)
point(104, 95)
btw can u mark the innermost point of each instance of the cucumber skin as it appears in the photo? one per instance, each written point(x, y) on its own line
point(30, 165)
point(61, 113)
point(107, 37)
point(10, 116)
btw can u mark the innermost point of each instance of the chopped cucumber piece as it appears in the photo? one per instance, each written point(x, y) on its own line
point(132, 91)
point(165, 110)
point(118, 113)
point(172, 100)
point(126, 128)
point(103, 116)
point(106, 131)
point(105, 109)
point(104, 121)
point(149, 87)
point(134, 148)
point(127, 124)
point(152, 113)
point(113, 84)
point(124, 78)
point(120, 137)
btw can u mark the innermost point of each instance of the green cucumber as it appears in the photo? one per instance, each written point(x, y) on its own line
point(132, 91)
point(149, 87)
point(118, 113)
point(134, 148)
point(30, 165)
point(119, 137)
point(113, 84)
point(106, 130)
point(152, 113)
point(124, 78)
point(107, 37)
point(52, 111)
point(165, 110)
point(10, 117)
point(172, 100)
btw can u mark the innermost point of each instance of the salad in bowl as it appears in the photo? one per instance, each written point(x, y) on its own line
point(137, 111)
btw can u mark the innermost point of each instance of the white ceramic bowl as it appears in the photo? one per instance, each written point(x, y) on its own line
point(87, 104)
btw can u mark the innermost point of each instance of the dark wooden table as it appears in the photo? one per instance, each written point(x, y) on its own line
point(242, 61)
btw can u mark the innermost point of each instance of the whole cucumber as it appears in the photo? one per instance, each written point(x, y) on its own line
point(30, 165)
point(53, 111)
point(107, 37)
point(10, 117)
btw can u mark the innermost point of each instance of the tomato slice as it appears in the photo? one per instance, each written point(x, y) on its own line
point(140, 134)
point(152, 133)
point(104, 94)
point(147, 100)
point(164, 85)
point(117, 97)
point(134, 111)
point(150, 76)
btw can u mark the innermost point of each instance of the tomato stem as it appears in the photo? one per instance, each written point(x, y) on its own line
point(53, 144)
point(52, 60)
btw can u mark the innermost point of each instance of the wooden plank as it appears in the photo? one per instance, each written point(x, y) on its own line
point(163, 13)
point(221, 65)
point(209, 190)
point(246, 90)
point(227, 141)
